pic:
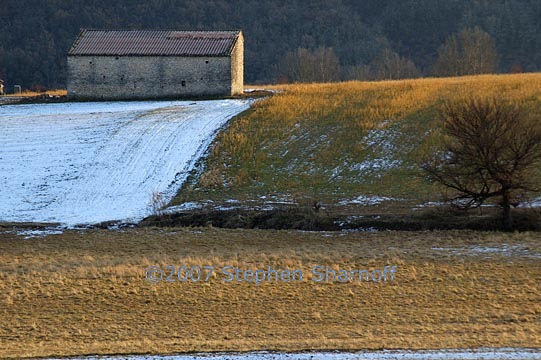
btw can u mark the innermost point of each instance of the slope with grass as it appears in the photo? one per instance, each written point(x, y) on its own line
point(342, 143)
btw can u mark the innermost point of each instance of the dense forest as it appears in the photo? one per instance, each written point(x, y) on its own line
point(291, 40)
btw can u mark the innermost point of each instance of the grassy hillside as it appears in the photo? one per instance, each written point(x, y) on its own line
point(336, 142)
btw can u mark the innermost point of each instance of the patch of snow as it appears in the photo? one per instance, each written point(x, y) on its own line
point(385, 145)
point(361, 230)
point(348, 220)
point(249, 91)
point(366, 200)
point(381, 141)
point(459, 203)
point(335, 175)
point(284, 199)
point(283, 202)
point(535, 203)
point(383, 137)
point(502, 250)
point(31, 234)
point(85, 163)
point(187, 206)
point(376, 164)
point(265, 208)
point(430, 204)
point(444, 354)
point(228, 208)
point(232, 204)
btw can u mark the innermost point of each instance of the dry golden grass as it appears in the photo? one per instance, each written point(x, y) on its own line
point(314, 133)
point(85, 292)
point(54, 92)
point(366, 104)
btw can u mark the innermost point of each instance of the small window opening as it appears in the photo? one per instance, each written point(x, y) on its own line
point(183, 83)
point(206, 61)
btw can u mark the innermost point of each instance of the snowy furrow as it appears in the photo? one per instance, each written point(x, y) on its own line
point(84, 163)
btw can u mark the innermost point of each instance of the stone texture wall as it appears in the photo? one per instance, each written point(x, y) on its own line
point(237, 67)
point(143, 77)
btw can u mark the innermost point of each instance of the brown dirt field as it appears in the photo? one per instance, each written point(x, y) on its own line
point(84, 292)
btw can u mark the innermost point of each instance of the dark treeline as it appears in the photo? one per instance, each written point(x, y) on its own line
point(344, 39)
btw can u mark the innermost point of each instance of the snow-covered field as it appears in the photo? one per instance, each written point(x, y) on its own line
point(84, 163)
point(466, 354)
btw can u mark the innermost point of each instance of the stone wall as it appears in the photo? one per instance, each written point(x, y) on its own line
point(237, 67)
point(142, 77)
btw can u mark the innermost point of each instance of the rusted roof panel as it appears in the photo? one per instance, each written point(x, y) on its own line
point(154, 43)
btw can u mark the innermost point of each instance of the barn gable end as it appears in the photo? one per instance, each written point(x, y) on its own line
point(142, 64)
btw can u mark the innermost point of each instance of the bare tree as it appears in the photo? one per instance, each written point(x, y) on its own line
point(472, 51)
point(303, 65)
point(388, 65)
point(391, 66)
point(326, 64)
point(491, 149)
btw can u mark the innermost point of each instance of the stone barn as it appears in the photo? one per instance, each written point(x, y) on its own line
point(144, 64)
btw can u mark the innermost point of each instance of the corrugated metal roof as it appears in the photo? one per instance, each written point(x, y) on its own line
point(154, 43)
